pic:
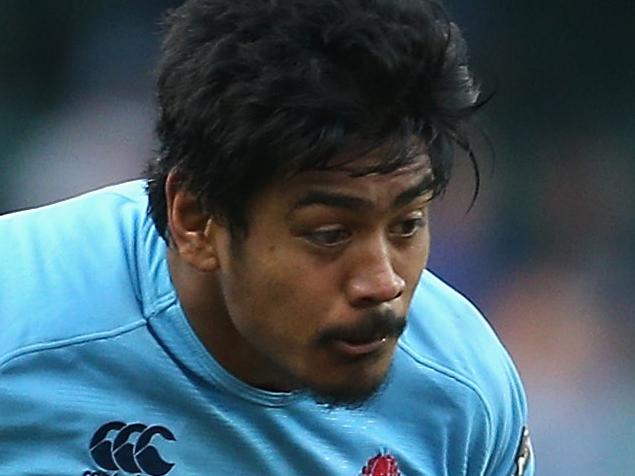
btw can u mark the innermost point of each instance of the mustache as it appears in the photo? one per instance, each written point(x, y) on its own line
point(373, 325)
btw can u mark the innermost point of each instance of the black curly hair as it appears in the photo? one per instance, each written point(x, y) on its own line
point(249, 89)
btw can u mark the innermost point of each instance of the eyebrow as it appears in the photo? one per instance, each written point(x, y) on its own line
point(353, 203)
point(418, 190)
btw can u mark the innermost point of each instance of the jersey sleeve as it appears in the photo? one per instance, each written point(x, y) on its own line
point(510, 451)
point(449, 329)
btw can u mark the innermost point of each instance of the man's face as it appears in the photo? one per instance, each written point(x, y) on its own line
point(321, 285)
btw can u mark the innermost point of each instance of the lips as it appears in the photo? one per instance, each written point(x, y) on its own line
point(374, 330)
point(359, 348)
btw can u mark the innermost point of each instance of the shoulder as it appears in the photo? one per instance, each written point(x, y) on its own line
point(72, 268)
point(448, 331)
point(447, 334)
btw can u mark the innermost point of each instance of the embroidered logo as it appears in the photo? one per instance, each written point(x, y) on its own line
point(524, 453)
point(381, 465)
point(127, 453)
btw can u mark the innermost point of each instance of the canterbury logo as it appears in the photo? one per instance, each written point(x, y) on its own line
point(133, 454)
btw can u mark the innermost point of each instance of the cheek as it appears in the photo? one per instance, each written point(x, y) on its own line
point(273, 305)
point(414, 260)
point(410, 264)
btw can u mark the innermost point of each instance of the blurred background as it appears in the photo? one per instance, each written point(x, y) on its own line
point(547, 252)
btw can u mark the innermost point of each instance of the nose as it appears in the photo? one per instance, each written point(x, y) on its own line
point(374, 279)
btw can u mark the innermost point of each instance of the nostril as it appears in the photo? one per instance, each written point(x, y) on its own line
point(375, 289)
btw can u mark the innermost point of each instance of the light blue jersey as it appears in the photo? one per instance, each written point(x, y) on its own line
point(102, 374)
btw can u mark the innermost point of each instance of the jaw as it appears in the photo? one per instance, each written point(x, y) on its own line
point(351, 383)
point(357, 391)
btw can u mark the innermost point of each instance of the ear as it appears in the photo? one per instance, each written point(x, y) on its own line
point(192, 231)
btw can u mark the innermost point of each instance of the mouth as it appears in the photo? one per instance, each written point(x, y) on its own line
point(351, 349)
point(371, 337)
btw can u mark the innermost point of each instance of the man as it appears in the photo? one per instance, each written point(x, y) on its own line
point(271, 314)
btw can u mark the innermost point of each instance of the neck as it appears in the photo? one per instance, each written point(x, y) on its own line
point(201, 297)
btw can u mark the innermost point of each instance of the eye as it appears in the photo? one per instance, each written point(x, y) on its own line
point(409, 227)
point(328, 237)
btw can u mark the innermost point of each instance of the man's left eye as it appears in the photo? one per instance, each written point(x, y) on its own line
point(408, 228)
point(329, 237)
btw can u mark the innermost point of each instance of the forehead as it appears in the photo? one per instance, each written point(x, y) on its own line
point(351, 175)
point(344, 187)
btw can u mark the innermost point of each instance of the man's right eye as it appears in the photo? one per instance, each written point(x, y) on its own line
point(328, 237)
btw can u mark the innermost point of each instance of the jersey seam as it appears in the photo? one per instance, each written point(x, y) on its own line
point(460, 379)
point(58, 344)
point(161, 304)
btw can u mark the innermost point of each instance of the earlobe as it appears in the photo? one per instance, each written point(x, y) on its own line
point(192, 230)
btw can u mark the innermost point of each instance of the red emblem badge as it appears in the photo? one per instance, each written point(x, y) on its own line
point(381, 465)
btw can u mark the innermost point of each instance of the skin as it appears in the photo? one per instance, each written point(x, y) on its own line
point(328, 259)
